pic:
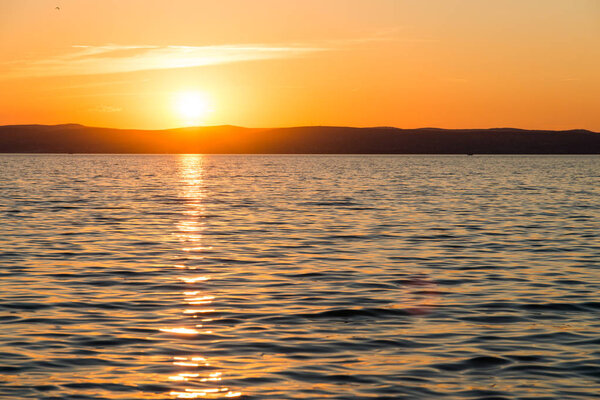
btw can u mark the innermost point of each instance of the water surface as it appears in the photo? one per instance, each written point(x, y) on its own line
point(299, 277)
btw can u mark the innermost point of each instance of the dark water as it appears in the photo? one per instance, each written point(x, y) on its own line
point(299, 277)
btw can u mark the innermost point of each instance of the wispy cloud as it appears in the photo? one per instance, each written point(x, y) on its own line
point(89, 60)
point(106, 109)
point(85, 59)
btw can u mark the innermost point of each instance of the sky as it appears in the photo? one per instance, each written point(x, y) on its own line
point(154, 64)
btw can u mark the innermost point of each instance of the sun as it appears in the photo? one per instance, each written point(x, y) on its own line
point(192, 107)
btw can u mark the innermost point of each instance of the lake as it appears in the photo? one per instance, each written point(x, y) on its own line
point(299, 277)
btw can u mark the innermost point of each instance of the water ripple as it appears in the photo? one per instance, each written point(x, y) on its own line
point(299, 277)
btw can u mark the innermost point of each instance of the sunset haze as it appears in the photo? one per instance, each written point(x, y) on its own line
point(410, 64)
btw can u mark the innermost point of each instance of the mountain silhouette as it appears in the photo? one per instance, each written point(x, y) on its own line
point(74, 138)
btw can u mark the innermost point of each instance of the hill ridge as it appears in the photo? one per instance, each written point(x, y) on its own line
point(76, 138)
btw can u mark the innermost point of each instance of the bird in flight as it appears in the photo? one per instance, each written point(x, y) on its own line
point(57, 8)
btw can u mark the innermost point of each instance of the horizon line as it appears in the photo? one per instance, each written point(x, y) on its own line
point(301, 126)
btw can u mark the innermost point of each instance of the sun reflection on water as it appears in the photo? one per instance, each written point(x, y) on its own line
point(193, 279)
point(191, 381)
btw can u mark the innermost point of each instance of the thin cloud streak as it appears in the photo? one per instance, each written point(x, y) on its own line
point(109, 59)
point(103, 83)
point(106, 109)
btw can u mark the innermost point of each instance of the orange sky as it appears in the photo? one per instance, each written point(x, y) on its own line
point(268, 63)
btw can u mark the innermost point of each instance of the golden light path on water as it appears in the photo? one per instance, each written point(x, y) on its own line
point(199, 378)
point(204, 382)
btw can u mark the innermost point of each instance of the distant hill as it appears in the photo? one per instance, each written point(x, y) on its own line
point(73, 138)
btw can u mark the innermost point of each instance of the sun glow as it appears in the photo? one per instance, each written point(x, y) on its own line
point(192, 107)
